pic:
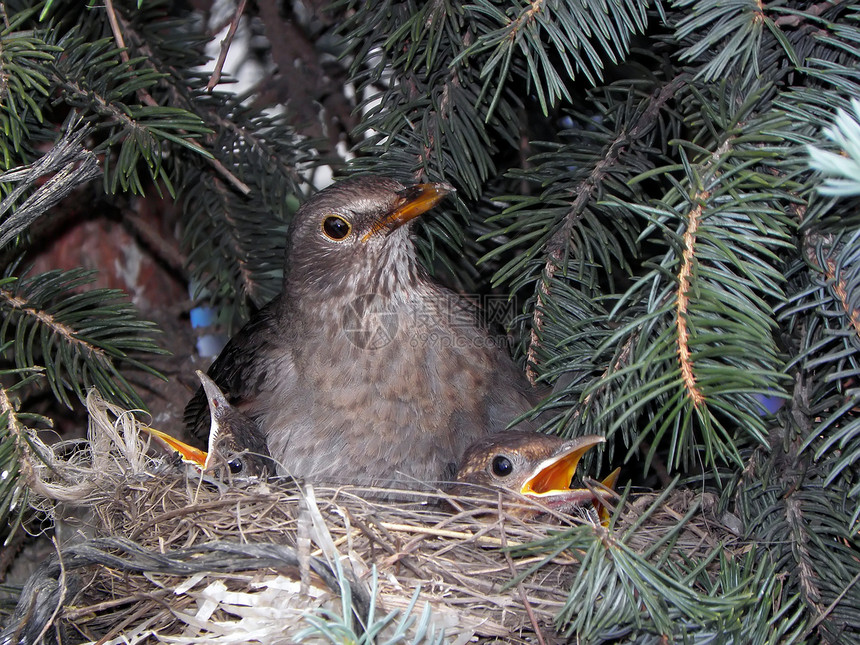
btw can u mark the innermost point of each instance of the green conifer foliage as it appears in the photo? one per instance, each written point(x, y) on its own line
point(667, 190)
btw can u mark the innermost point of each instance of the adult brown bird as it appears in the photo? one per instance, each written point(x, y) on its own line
point(364, 370)
point(532, 465)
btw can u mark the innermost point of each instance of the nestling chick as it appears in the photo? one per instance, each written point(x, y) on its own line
point(537, 466)
point(250, 458)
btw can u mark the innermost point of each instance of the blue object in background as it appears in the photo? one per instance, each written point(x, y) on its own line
point(769, 404)
point(208, 345)
point(203, 316)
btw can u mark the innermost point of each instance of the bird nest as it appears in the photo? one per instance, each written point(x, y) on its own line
point(148, 551)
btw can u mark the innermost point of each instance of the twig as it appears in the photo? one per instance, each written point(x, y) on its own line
point(814, 11)
point(303, 545)
point(61, 586)
point(225, 47)
point(147, 99)
point(465, 535)
point(179, 512)
point(397, 557)
point(520, 588)
point(97, 608)
point(139, 613)
point(830, 607)
point(117, 33)
point(145, 96)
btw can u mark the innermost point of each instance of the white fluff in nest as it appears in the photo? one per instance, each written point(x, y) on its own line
point(115, 445)
point(270, 613)
point(69, 472)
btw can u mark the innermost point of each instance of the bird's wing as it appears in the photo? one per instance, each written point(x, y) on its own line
point(243, 368)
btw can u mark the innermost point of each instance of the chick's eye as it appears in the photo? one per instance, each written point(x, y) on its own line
point(502, 466)
point(236, 465)
point(336, 228)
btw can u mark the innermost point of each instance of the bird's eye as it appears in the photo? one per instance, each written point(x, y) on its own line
point(236, 465)
point(502, 466)
point(335, 227)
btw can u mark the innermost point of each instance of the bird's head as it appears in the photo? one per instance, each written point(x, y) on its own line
point(534, 465)
point(352, 237)
point(236, 445)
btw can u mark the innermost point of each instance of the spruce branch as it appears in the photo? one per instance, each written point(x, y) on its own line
point(25, 57)
point(90, 80)
point(586, 190)
point(806, 568)
point(79, 338)
point(846, 300)
point(118, 25)
point(740, 35)
point(234, 244)
point(724, 250)
point(17, 444)
point(794, 516)
point(842, 169)
point(584, 38)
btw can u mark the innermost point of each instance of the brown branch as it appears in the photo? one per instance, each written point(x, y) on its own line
point(117, 33)
point(245, 272)
point(841, 291)
point(688, 260)
point(145, 96)
point(146, 99)
point(312, 88)
point(225, 46)
point(814, 11)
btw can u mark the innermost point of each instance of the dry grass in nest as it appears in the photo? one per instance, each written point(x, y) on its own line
point(161, 555)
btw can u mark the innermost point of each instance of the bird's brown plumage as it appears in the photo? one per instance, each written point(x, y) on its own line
point(365, 370)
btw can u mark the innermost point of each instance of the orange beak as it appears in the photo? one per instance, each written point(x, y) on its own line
point(552, 476)
point(550, 480)
point(413, 201)
point(189, 454)
point(609, 483)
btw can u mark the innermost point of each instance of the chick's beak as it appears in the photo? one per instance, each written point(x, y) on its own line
point(412, 202)
point(189, 454)
point(553, 476)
